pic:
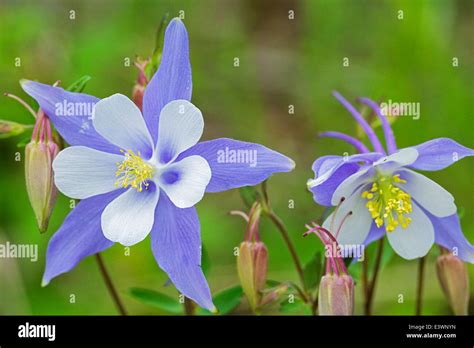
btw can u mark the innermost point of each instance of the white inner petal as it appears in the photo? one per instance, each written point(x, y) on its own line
point(352, 221)
point(185, 181)
point(428, 193)
point(416, 240)
point(81, 172)
point(180, 127)
point(120, 121)
point(129, 218)
point(348, 186)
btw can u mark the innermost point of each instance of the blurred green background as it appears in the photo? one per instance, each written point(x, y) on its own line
point(282, 62)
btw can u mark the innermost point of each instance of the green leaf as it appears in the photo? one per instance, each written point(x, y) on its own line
point(249, 195)
point(158, 300)
point(273, 283)
point(205, 261)
point(225, 301)
point(297, 305)
point(79, 85)
point(151, 68)
point(312, 271)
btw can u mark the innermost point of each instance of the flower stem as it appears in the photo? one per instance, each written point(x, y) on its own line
point(110, 286)
point(286, 237)
point(419, 290)
point(188, 306)
point(371, 285)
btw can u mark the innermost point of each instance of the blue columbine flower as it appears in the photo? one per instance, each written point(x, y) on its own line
point(138, 175)
point(376, 193)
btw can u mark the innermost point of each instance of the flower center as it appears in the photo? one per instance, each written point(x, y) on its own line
point(388, 204)
point(133, 171)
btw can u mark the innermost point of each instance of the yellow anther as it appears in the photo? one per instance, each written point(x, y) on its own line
point(133, 171)
point(388, 204)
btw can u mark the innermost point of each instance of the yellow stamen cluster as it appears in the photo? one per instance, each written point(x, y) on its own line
point(133, 171)
point(388, 204)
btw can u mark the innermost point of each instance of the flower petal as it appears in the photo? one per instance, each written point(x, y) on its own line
point(120, 121)
point(375, 234)
point(181, 126)
point(428, 193)
point(417, 239)
point(331, 171)
point(448, 234)
point(71, 114)
point(176, 245)
point(236, 163)
point(185, 181)
point(439, 153)
point(79, 236)
point(173, 79)
point(399, 159)
point(81, 172)
point(128, 219)
point(352, 221)
point(352, 183)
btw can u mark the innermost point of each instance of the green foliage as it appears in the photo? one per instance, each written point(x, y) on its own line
point(249, 195)
point(313, 271)
point(79, 85)
point(157, 300)
point(225, 301)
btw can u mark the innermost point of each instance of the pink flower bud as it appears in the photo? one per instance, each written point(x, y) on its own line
point(39, 156)
point(454, 280)
point(336, 295)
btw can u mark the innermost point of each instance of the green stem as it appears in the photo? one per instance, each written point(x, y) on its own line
point(371, 286)
point(419, 290)
point(286, 237)
point(110, 286)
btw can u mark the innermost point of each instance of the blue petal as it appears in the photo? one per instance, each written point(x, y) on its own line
point(331, 171)
point(448, 234)
point(79, 236)
point(71, 114)
point(172, 80)
point(439, 153)
point(375, 234)
point(236, 163)
point(176, 245)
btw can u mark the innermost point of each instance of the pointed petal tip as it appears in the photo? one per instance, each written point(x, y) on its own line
point(23, 82)
point(44, 282)
point(214, 310)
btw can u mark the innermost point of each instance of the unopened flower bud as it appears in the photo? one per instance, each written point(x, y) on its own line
point(336, 295)
point(10, 129)
point(336, 289)
point(454, 280)
point(252, 268)
point(252, 260)
point(39, 156)
point(139, 88)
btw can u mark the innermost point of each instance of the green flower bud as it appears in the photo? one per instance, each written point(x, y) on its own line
point(454, 280)
point(252, 264)
point(39, 156)
point(336, 295)
point(10, 129)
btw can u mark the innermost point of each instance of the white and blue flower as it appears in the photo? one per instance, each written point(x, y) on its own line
point(376, 193)
point(142, 174)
